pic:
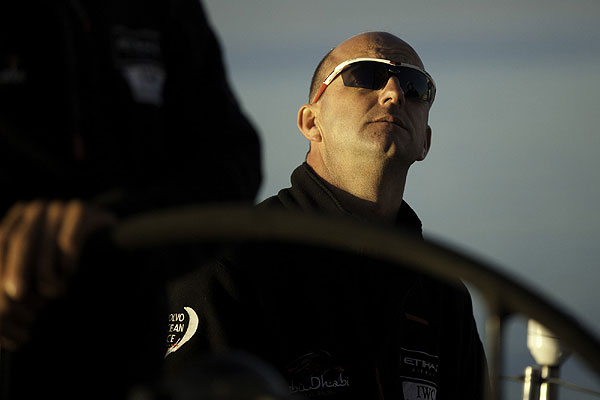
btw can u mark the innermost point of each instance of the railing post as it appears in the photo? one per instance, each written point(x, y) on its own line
point(493, 339)
point(549, 353)
point(531, 383)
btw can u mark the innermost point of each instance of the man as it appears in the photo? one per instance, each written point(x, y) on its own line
point(341, 325)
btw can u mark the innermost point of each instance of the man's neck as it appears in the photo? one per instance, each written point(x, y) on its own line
point(374, 194)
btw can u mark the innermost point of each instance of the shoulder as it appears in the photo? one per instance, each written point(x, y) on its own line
point(271, 203)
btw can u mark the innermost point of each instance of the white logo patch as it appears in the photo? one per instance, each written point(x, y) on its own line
point(417, 390)
point(177, 325)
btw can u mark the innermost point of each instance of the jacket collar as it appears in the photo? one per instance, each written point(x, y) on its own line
point(310, 194)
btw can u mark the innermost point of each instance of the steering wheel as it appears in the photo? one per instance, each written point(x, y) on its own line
point(503, 295)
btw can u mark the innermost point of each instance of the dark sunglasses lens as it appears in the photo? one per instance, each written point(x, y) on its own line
point(367, 75)
point(374, 75)
point(414, 84)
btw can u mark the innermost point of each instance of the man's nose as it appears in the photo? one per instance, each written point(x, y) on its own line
point(392, 91)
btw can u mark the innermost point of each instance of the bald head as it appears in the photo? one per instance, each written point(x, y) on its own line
point(364, 139)
point(368, 44)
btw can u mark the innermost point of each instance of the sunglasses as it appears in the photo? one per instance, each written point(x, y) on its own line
point(374, 73)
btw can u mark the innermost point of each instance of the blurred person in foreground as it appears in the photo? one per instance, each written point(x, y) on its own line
point(107, 109)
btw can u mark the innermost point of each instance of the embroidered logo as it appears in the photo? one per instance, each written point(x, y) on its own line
point(419, 372)
point(317, 374)
point(182, 326)
point(419, 390)
point(138, 55)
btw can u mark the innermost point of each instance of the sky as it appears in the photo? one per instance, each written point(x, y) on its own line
point(512, 175)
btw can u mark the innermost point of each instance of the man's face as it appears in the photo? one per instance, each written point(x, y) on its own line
point(370, 126)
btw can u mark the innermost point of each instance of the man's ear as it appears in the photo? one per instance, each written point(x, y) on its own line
point(426, 144)
point(307, 123)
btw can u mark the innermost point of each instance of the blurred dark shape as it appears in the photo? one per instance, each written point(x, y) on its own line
point(125, 105)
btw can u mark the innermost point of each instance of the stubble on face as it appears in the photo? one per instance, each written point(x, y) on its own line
point(356, 126)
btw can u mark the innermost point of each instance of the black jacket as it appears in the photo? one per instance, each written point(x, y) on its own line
point(334, 324)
